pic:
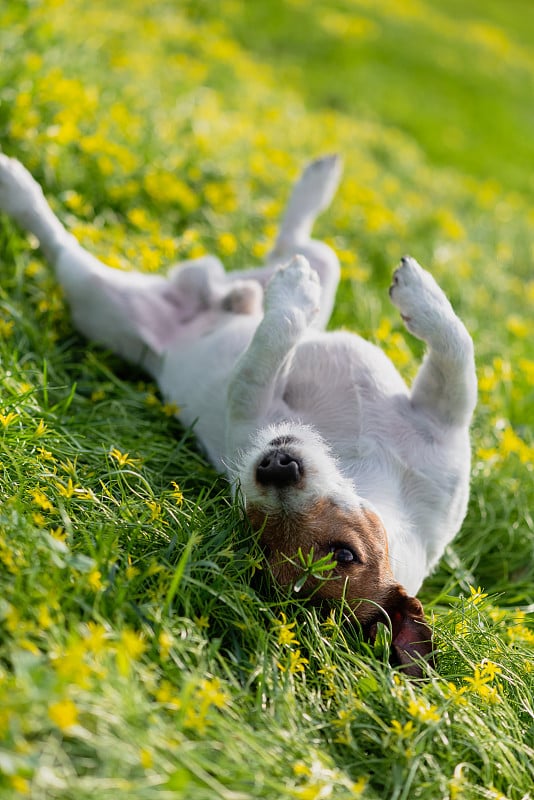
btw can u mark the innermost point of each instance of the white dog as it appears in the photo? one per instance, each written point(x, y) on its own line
point(333, 453)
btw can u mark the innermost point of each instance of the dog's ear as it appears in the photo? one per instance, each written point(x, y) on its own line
point(411, 638)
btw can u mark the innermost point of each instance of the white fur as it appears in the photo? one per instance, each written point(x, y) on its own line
point(243, 374)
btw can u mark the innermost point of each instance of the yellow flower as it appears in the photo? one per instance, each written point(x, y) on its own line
point(123, 459)
point(58, 533)
point(512, 443)
point(383, 332)
point(211, 693)
point(177, 494)
point(95, 640)
point(402, 730)
point(41, 428)
point(130, 648)
point(286, 637)
point(151, 399)
point(7, 419)
point(518, 327)
point(170, 409)
point(455, 694)
point(227, 244)
point(296, 662)
point(71, 664)
point(483, 675)
point(422, 710)
point(43, 616)
point(477, 595)
point(66, 491)
point(6, 328)
point(45, 455)
point(165, 642)
point(146, 758)
point(450, 226)
point(155, 510)
point(133, 643)
point(41, 500)
point(64, 714)
point(19, 784)
point(166, 695)
point(94, 579)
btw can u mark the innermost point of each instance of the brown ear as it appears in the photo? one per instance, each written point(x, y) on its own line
point(411, 636)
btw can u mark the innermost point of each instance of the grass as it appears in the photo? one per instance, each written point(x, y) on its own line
point(138, 657)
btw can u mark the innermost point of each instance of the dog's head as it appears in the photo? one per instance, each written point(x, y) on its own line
point(307, 512)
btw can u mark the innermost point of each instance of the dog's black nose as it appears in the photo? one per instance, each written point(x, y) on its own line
point(279, 469)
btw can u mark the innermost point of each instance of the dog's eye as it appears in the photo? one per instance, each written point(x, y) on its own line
point(343, 555)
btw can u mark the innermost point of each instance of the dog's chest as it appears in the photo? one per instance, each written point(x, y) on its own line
point(342, 384)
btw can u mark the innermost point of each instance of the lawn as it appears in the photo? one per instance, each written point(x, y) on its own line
point(137, 658)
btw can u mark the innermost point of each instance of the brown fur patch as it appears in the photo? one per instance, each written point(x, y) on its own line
point(323, 528)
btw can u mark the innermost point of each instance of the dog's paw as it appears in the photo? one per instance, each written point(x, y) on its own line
point(19, 192)
point(421, 302)
point(294, 287)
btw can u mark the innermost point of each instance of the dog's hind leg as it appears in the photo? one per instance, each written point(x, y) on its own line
point(133, 314)
point(311, 195)
point(445, 388)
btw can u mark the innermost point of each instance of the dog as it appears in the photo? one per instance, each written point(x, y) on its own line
point(334, 455)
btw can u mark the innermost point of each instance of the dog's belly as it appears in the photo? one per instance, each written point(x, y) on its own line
point(342, 385)
point(195, 373)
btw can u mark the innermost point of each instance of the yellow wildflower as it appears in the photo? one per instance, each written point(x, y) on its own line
point(45, 455)
point(94, 579)
point(477, 595)
point(19, 784)
point(146, 758)
point(165, 642)
point(227, 244)
point(41, 500)
point(286, 637)
point(95, 639)
point(6, 328)
point(422, 710)
point(177, 494)
point(7, 419)
point(41, 429)
point(123, 459)
point(64, 714)
point(170, 409)
point(130, 647)
point(402, 730)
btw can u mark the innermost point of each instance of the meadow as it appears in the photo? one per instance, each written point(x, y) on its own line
point(137, 659)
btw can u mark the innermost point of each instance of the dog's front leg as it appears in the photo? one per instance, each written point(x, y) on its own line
point(256, 386)
point(445, 387)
